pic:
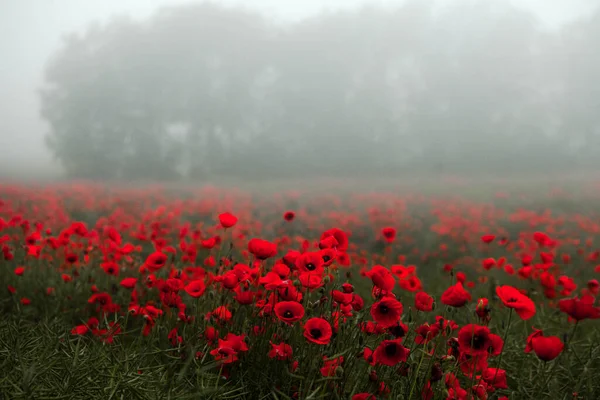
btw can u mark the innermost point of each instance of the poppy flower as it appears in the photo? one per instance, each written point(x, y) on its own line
point(341, 297)
point(289, 216)
point(156, 261)
point(221, 314)
point(389, 234)
point(111, 268)
point(310, 262)
point(318, 331)
point(19, 271)
point(340, 236)
point(224, 353)
point(386, 312)
point(128, 283)
point(488, 238)
point(289, 311)
point(328, 256)
point(495, 377)
point(426, 332)
point(488, 263)
point(195, 288)
point(381, 277)
point(390, 352)
point(547, 348)
point(211, 334)
point(310, 280)
point(513, 298)
point(80, 330)
point(580, 309)
point(477, 340)
point(456, 296)
point(482, 308)
point(281, 351)
point(330, 366)
point(262, 249)
point(423, 301)
point(227, 220)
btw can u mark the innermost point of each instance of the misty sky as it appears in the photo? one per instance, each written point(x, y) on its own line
point(31, 30)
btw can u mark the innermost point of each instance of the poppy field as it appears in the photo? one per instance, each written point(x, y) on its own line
point(162, 293)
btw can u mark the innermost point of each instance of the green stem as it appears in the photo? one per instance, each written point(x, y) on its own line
point(503, 345)
point(416, 374)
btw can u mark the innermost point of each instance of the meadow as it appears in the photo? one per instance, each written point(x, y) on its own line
point(325, 292)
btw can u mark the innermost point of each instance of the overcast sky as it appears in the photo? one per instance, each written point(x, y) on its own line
point(31, 30)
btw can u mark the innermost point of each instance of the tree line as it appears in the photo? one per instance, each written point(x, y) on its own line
point(202, 91)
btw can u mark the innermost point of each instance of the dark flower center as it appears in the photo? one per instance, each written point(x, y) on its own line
point(511, 300)
point(383, 309)
point(326, 258)
point(316, 333)
point(311, 266)
point(391, 349)
point(478, 342)
point(288, 314)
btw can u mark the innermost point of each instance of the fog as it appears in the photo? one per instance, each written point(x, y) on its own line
point(265, 89)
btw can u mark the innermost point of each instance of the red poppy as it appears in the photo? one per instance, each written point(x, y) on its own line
point(310, 280)
point(111, 268)
point(423, 302)
point(195, 288)
point(579, 309)
point(513, 298)
point(221, 314)
point(340, 236)
point(386, 312)
point(289, 216)
point(456, 296)
point(281, 351)
point(389, 234)
point(477, 340)
point(328, 256)
point(156, 261)
point(317, 330)
point(488, 238)
point(224, 353)
point(547, 348)
point(310, 262)
point(289, 311)
point(495, 377)
point(129, 283)
point(330, 365)
point(262, 249)
point(488, 263)
point(227, 220)
point(425, 333)
point(390, 352)
point(482, 309)
point(382, 278)
point(341, 297)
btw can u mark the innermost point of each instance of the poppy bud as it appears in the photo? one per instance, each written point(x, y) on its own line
point(373, 376)
point(436, 372)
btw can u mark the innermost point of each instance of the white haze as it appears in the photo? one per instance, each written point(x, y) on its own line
point(31, 30)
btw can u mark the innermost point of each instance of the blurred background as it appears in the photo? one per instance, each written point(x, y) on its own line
point(192, 91)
